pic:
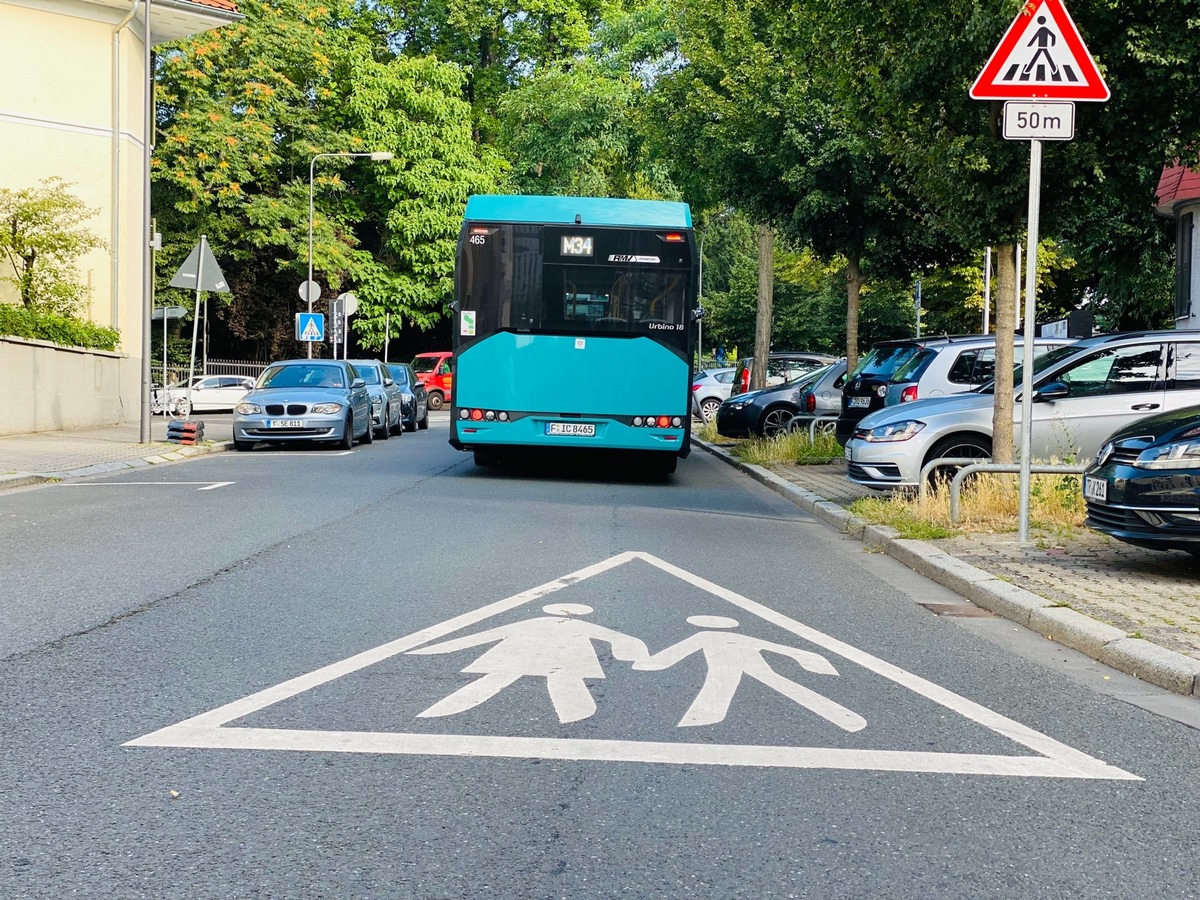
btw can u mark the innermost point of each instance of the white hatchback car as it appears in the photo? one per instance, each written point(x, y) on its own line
point(212, 392)
point(1083, 392)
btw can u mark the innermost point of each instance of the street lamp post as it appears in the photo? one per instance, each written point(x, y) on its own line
point(375, 157)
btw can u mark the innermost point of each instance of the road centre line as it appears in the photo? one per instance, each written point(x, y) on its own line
point(211, 729)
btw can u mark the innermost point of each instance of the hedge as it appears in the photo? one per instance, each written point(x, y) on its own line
point(19, 321)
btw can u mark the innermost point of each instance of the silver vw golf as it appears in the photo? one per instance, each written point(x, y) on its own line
point(1082, 393)
point(305, 400)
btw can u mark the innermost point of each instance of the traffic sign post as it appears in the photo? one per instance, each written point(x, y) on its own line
point(310, 293)
point(1041, 58)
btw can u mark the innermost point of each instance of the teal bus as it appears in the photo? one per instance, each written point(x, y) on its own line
point(574, 328)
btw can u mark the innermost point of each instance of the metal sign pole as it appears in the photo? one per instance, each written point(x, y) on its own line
point(195, 325)
point(1035, 197)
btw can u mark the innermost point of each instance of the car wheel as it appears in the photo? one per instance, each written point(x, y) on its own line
point(385, 431)
point(435, 401)
point(775, 420)
point(424, 423)
point(965, 446)
point(709, 407)
point(399, 426)
point(368, 435)
point(347, 441)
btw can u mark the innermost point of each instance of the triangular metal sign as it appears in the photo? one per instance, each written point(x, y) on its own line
point(1041, 57)
point(210, 274)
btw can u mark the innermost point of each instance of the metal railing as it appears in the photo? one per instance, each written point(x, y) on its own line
point(812, 421)
point(179, 374)
point(971, 465)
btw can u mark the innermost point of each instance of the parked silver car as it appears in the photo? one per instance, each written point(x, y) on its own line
point(305, 400)
point(955, 364)
point(387, 404)
point(210, 392)
point(1083, 392)
point(710, 388)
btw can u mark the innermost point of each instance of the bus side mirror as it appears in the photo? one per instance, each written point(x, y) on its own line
point(698, 313)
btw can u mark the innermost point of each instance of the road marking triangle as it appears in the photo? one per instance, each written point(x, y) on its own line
point(213, 729)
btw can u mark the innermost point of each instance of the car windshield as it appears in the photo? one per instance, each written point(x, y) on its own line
point(399, 375)
point(1040, 364)
point(302, 375)
point(425, 364)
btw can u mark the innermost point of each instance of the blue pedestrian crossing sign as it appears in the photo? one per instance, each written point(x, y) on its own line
point(310, 326)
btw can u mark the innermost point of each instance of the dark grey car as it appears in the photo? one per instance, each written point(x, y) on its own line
point(415, 402)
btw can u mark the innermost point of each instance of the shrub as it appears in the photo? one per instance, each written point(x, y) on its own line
point(67, 331)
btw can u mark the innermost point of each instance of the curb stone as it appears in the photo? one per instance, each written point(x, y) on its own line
point(27, 479)
point(1149, 662)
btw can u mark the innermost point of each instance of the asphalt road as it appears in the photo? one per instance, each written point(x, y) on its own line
point(391, 674)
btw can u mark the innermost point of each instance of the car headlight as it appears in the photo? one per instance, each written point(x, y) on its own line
point(247, 409)
point(895, 431)
point(1176, 455)
point(327, 409)
point(735, 404)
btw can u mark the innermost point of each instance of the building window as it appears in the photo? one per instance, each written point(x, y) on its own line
point(1183, 266)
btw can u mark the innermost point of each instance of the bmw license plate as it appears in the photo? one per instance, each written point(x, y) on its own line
point(1095, 488)
point(285, 423)
point(860, 402)
point(574, 429)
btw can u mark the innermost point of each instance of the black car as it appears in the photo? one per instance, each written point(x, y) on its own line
point(1144, 486)
point(782, 366)
point(414, 401)
point(865, 389)
point(767, 412)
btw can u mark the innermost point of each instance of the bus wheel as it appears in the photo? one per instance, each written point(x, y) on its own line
point(666, 463)
point(486, 458)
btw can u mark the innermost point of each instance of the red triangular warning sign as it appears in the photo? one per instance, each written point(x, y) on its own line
point(1041, 57)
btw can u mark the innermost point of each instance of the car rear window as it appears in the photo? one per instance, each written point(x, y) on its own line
point(915, 367)
point(882, 362)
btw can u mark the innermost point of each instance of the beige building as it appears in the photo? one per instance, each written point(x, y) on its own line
point(73, 104)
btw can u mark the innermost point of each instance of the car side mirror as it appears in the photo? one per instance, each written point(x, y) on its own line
point(357, 383)
point(387, 382)
point(1055, 390)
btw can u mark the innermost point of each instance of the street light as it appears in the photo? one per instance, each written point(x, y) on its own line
point(381, 156)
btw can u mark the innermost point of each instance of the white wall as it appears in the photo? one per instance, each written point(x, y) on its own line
point(48, 388)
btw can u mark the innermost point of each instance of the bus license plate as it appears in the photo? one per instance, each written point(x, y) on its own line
point(1095, 488)
point(285, 423)
point(575, 429)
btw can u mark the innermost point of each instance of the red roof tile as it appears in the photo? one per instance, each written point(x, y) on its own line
point(1177, 184)
point(229, 5)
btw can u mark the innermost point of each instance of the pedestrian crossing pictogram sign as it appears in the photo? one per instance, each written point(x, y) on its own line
point(1041, 57)
point(310, 327)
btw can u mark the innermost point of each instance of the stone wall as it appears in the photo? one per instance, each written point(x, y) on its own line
point(45, 387)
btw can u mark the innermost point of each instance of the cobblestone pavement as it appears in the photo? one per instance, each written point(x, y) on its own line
point(1146, 593)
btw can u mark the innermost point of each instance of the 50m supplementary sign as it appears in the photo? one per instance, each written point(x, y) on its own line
point(1026, 120)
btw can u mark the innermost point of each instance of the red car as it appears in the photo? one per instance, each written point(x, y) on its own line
point(433, 370)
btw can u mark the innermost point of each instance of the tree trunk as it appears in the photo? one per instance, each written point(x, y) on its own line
point(1005, 303)
point(762, 327)
point(854, 283)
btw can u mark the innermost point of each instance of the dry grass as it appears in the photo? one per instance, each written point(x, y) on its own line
point(988, 503)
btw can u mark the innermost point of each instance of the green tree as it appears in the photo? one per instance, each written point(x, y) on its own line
point(42, 236)
point(243, 112)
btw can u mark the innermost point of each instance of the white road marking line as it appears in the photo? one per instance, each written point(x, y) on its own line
point(1056, 760)
point(209, 485)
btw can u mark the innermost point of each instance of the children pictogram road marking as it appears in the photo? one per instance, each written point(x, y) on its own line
point(553, 646)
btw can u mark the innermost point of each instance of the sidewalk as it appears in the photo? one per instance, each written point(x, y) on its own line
point(1135, 610)
point(36, 458)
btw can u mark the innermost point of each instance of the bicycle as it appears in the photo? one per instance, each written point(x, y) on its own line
point(161, 403)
